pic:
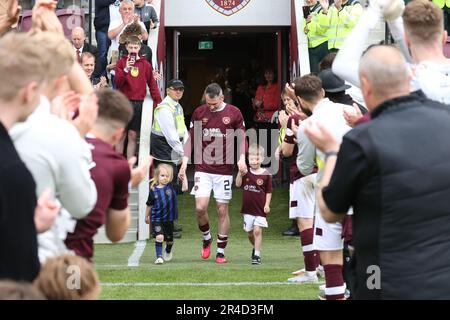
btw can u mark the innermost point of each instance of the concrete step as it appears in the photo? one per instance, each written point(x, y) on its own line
point(133, 196)
point(101, 238)
point(134, 207)
point(131, 234)
point(134, 222)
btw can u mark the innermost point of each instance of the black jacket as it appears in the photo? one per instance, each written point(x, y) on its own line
point(407, 148)
point(102, 19)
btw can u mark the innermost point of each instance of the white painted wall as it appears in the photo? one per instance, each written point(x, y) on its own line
point(189, 13)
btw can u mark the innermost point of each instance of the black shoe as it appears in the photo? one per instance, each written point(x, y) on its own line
point(256, 260)
point(176, 235)
point(291, 232)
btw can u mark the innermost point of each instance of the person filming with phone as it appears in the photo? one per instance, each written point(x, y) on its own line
point(133, 73)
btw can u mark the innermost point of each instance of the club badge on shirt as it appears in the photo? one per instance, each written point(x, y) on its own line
point(226, 120)
point(135, 72)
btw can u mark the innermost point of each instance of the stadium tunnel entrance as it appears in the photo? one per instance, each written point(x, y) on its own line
point(233, 57)
point(236, 59)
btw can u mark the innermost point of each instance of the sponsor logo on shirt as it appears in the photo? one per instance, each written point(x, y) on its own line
point(213, 132)
point(251, 188)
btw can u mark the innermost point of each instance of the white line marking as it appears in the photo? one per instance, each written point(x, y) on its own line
point(194, 284)
point(133, 260)
point(110, 266)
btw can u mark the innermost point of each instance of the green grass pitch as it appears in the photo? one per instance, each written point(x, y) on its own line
point(188, 277)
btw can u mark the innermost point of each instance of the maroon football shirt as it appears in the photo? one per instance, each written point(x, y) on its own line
point(111, 175)
point(294, 173)
point(213, 135)
point(255, 187)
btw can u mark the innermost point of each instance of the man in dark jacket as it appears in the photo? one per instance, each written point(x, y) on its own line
point(394, 172)
point(101, 24)
point(80, 46)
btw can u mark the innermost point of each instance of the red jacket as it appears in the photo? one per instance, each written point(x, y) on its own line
point(270, 98)
point(134, 85)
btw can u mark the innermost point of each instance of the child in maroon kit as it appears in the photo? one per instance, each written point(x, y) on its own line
point(256, 197)
point(133, 74)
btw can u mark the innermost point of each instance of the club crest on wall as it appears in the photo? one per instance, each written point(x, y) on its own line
point(227, 7)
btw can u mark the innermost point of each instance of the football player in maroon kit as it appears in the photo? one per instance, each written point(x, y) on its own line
point(213, 129)
point(301, 193)
point(256, 197)
point(111, 174)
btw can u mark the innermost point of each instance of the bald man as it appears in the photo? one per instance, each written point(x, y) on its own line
point(78, 39)
point(394, 172)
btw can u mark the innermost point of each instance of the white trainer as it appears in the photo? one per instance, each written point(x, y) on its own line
point(159, 260)
point(322, 293)
point(303, 278)
point(167, 256)
point(319, 270)
point(299, 272)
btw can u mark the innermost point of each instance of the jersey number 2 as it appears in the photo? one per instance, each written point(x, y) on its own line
point(226, 185)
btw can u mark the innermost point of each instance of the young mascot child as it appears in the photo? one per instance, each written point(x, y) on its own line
point(257, 194)
point(162, 210)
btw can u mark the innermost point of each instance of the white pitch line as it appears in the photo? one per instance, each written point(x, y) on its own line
point(193, 284)
point(110, 266)
point(133, 260)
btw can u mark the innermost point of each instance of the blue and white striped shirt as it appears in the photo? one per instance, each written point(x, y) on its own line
point(164, 203)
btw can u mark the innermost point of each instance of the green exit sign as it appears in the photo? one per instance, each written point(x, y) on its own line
point(205, 45)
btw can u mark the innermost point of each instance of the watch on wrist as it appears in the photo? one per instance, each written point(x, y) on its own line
point(330, 154)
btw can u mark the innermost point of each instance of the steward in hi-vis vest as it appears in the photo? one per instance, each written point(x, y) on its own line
point(169, 132)
point(340, 18)
point(316, 32)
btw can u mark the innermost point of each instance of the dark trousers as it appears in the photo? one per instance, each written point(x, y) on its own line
point(103, 44)
point(316, 55)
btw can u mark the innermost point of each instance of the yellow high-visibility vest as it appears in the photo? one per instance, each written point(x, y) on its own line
point(178, 117)
point(317, 32)
point(341, 23)
point(442, 3)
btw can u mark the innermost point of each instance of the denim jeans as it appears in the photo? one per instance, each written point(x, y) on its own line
point(103, 44)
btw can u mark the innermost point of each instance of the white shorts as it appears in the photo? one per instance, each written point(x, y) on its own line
point(327, 236)
point(205, 182)
point(302, 197)
point(250, 221)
